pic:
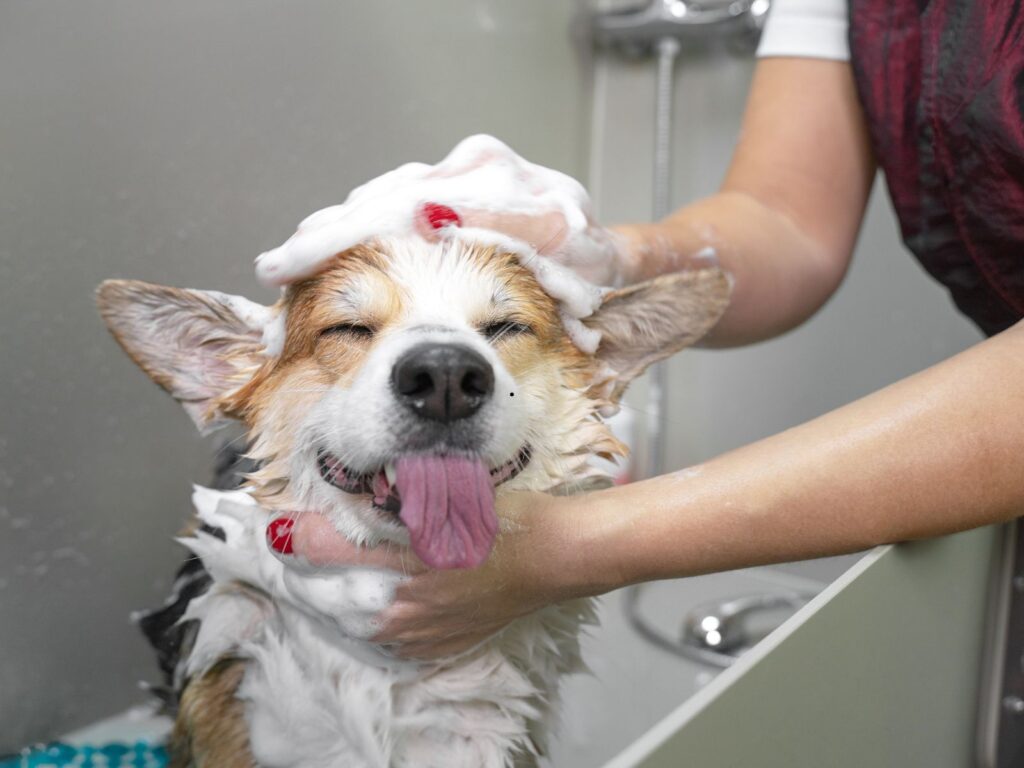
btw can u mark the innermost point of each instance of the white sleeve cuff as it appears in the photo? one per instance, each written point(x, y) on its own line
point(806, 28)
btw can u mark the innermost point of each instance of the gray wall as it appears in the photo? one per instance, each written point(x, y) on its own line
point(173, 142)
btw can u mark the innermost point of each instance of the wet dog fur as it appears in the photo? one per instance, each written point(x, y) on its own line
point(262, 681)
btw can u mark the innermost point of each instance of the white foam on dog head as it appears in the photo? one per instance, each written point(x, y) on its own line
point(481, 173)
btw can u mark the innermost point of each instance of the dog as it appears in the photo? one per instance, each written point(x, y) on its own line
point(447, 356)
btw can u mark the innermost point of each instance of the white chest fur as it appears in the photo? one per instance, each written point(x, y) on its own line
point(318, 695)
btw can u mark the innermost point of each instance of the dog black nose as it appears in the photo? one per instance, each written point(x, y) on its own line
point(443, 382)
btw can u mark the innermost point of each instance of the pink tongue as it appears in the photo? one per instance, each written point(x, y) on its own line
point(448, 507)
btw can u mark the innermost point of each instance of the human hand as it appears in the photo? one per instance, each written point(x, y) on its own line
point(436, 614)
point(647, 250)
point(482, 191)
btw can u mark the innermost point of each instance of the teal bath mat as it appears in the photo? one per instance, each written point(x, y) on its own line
point(58, 755)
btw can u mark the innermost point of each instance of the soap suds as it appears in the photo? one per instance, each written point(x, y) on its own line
point(274, 332)
point(480, 174)
point(348, 602)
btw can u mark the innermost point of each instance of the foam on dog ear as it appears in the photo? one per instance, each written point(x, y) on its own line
point(650, 321)
point(198, 345)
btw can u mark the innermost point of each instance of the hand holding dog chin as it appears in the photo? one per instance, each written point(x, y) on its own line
point(442, 613)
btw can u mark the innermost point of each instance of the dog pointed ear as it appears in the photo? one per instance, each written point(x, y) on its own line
point(197, 345)
point(647, 322)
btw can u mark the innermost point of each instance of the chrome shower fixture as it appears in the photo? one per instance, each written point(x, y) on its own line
point(638, 30)
point(716, 633)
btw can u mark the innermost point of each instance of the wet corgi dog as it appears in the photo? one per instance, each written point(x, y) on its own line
point(405, 371)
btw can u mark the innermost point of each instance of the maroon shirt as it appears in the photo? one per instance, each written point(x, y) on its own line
point(942, 86)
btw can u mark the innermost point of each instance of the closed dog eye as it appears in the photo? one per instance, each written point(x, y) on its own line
point(504, 329)
point(350, 330)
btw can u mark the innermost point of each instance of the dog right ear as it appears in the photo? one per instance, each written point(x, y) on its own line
point(647, 322)
point(197, 345)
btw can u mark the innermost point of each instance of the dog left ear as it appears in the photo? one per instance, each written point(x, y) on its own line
point(198, 345)
point(650, 321)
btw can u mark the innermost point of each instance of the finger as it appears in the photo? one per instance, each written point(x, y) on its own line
point(413, 625)
point(318, 541)
point(312, 539)
point(434, 650)
point(546, 232)
point(402, 622)
point(430, 218)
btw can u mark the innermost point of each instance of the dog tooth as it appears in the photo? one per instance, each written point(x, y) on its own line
point(390, 473)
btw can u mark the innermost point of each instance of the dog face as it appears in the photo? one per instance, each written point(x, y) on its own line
point(412, 379)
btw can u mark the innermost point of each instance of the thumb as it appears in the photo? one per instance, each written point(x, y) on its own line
point(311, 538)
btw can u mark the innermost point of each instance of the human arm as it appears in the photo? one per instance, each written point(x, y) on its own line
point(783, 223)
point(934, 454)
point(786, 217)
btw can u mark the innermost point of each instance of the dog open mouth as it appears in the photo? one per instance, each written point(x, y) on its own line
point(445, 501)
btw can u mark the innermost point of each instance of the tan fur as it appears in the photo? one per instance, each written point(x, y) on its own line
point(313, 305)
point(132, 309)
point(310, 362)
point(647, 322)
point(210, 730)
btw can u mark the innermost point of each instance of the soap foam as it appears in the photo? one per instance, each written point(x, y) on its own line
point(480, 174)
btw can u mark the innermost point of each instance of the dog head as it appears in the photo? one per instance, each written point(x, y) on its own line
point(409, 380)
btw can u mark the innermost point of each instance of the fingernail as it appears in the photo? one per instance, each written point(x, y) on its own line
point(279, 535)
point(439, 216)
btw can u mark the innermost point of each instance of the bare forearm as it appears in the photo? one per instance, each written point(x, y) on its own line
point(934, 454)
point(786, 218)
point(780, 275)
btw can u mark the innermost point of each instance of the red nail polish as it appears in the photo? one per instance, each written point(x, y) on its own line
point(439, 216)
point(279, 535)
